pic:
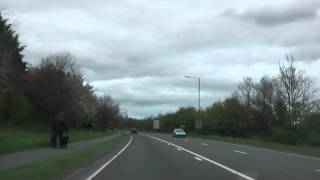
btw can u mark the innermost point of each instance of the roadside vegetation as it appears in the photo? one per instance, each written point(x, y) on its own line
point(59, 166)
point(284, 109)
point(20, 139)
point(32, 97)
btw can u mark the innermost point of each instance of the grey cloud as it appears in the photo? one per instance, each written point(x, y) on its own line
point(170, 92)
point(278, 14)
point(138, 51)
point(308, 52)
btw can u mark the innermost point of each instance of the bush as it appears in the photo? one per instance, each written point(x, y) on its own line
point(313, 138)
point(311, 126)
point(17, 108)
point(286, 135)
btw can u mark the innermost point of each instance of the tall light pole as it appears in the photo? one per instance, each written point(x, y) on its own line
point(192, 77)
point(198, 121)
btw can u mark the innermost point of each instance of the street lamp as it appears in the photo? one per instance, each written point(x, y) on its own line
point(198, 121)
point(192, 77)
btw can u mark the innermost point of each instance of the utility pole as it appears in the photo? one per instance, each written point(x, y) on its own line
point(198, 124)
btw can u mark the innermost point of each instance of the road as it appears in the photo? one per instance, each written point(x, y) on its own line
point(153, 156)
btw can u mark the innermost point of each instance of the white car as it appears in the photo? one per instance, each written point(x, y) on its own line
point(179, 133)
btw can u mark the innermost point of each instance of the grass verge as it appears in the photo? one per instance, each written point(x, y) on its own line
point(59, 166)
point(298, 149)
point(19, 139)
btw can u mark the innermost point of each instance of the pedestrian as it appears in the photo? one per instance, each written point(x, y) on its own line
point(59, 127)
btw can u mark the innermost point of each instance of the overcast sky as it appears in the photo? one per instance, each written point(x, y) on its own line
point(138, 51)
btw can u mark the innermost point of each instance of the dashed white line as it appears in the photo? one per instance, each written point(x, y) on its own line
point(207, 159)
point(108, 162)
point(178, 149)
point(204, 144)
point(241, 152)
point(199, 159)
point(273, 151)
point(318, 170)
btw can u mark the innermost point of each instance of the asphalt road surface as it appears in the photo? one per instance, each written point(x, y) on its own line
point(152, 156)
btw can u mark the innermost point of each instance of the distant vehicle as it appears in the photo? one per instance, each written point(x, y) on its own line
point(134, 131)
point(179, 133)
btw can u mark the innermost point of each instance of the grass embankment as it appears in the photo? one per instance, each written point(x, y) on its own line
point(300, 149)
point(14, 139)
point(59, 166)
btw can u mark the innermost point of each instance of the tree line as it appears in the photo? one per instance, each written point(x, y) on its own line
point(284, 108)
point(37, 94)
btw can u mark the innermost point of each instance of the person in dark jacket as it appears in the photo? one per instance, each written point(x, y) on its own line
point(59, 126)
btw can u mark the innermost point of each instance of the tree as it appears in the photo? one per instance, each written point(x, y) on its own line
point(108, 113)
point(279, 106)
point(14, 107)
point(88, 107)
point(54, 87)
point(263, 110)
point(246, 90)
point(298, 90)
point(12, 68)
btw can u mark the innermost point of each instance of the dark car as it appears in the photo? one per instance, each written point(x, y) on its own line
point(134, 131)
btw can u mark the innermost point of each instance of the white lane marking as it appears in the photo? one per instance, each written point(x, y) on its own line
point(108, 162)
point(269, 150)
point(207, 159)
point(241, 152)
point(204, 144)
point(178, 149)
point(318, 170)
point(199, 159)
point(291, 154)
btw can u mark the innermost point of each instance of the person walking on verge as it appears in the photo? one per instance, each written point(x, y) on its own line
point(59, 126)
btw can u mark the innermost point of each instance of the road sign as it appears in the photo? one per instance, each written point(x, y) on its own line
point(198, 124)
point(156, 124)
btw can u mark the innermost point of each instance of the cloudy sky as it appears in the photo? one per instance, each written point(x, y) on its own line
point(138, 51)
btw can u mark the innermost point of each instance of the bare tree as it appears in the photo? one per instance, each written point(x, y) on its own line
point(298, 90)
point(108, 113)
point(63, 62)
point(246, 90)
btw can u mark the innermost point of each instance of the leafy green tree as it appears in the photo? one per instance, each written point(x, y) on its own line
point(12, 68)
point(14, 107)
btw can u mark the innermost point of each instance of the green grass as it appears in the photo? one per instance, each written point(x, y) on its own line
point(14, 139)
point(300, 149)
point(59, 166)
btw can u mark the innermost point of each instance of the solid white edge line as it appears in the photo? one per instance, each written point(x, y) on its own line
point(207, 159)
point(108, 162)
point(241, 152)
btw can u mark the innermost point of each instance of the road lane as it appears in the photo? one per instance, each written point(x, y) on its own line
point(150, 159)
point(257, 163)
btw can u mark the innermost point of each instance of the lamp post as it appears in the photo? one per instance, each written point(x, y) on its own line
point(198, 122)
